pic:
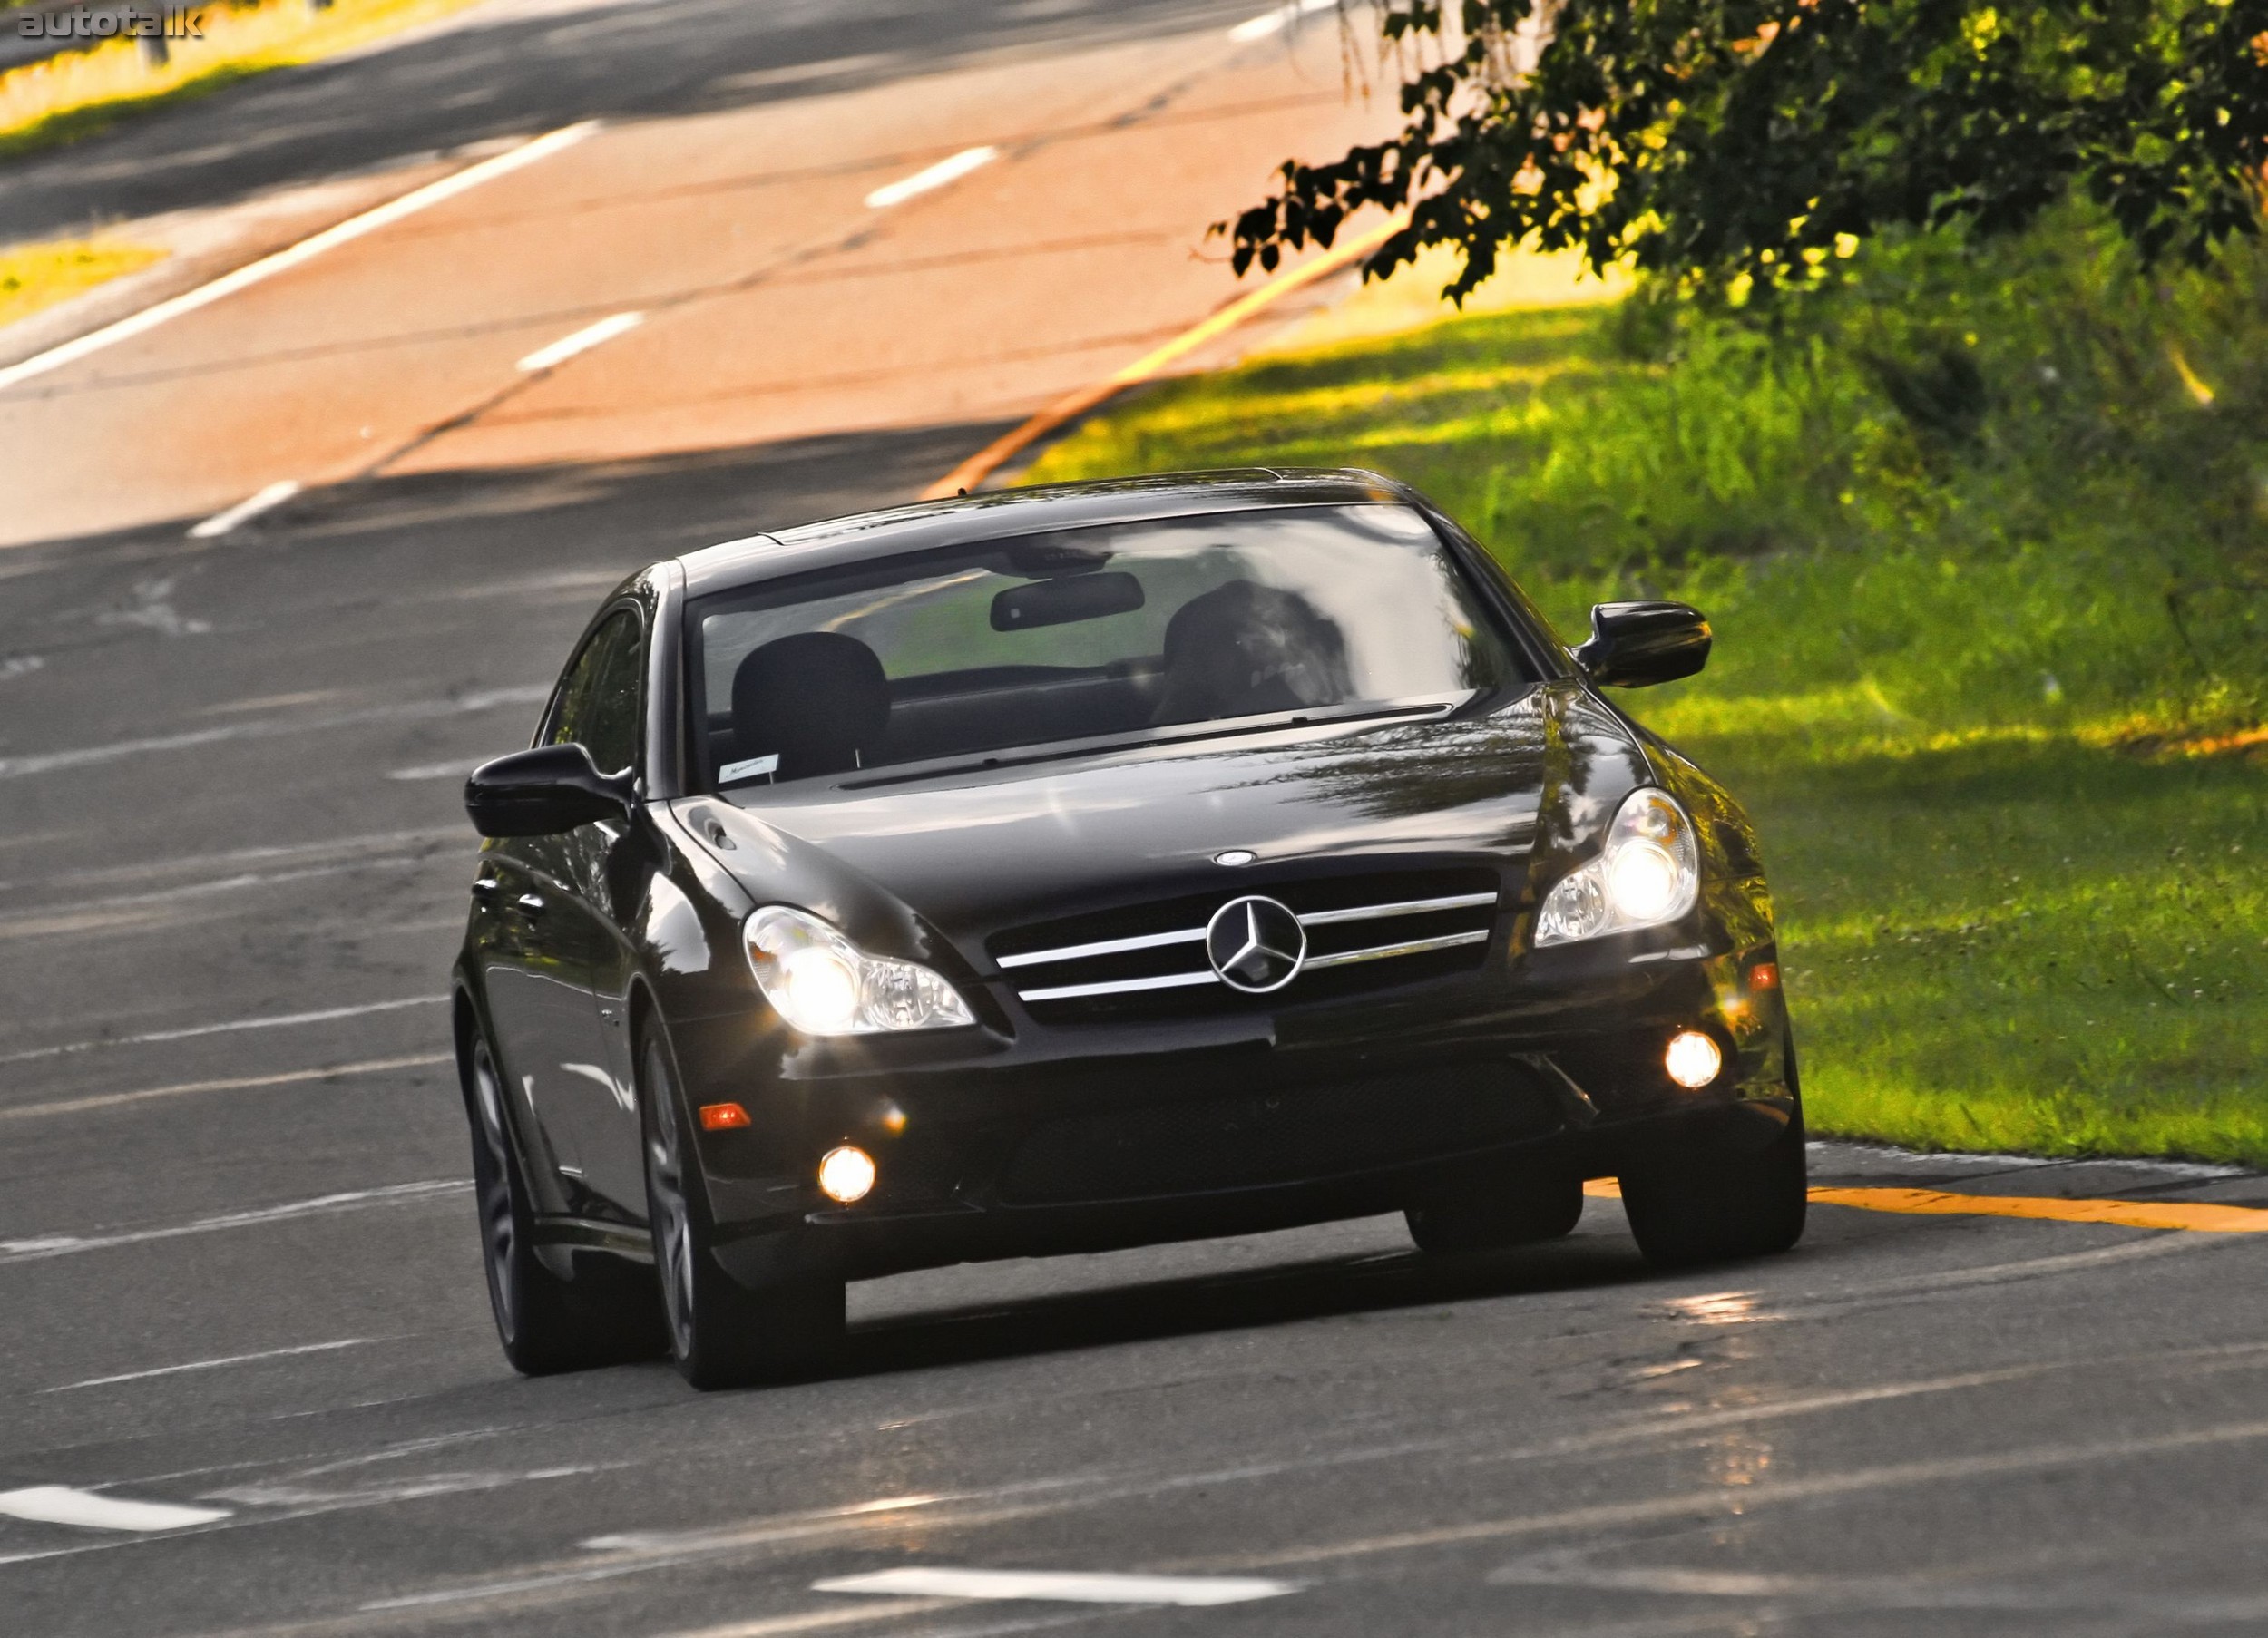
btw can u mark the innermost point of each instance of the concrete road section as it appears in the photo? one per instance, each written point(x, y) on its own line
point(248, 1382)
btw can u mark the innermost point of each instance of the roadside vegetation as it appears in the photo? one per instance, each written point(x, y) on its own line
point(1981, 532)
point(33, 276)
point(78, 94)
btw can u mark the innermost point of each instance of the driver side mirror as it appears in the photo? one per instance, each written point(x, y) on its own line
point(545, 792)
point(1637, 645)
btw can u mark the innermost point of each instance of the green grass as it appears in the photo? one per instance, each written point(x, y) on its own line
point(2015, 912)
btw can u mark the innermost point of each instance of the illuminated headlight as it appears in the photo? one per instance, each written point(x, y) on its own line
point(1648, 873)
point(823, 984)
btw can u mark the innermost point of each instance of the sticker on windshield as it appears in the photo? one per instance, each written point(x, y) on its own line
point(749, 769)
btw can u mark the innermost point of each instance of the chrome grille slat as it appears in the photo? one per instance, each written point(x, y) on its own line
point(1379, 952)
point(1407, 907)
point(1171, 981)
point(1103, 947)
point(1062, 958)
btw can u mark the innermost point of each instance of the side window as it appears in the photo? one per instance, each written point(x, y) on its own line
point(598, 701)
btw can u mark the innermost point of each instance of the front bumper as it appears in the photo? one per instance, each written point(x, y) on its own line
point(1102, 1136)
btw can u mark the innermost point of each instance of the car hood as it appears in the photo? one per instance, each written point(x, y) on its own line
point(971, 853)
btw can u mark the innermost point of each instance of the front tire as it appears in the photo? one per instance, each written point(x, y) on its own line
point(1719, 1204)
point(721, 1334)
point(546, 1324)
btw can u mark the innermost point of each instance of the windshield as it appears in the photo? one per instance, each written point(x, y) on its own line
point(1086, 633)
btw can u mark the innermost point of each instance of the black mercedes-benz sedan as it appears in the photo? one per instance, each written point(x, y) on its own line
point(1079, 867)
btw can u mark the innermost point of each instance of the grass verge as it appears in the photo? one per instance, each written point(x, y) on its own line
point(2009, 921)
point(33, 276)
point(78, 94)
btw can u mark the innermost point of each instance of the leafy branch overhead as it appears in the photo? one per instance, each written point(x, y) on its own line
point(1748, 143)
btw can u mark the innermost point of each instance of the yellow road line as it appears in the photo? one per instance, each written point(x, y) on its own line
point(2196, 1216)
point(1074, 405)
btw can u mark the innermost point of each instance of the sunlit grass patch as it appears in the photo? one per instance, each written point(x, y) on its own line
point(33, 276)
point(76, 95)
point(2035, 944)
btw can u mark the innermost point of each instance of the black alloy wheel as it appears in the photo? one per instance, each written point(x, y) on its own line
point(721, 1333)
point(545, 1323)
point(1718, 1205)
point(1517, 1208)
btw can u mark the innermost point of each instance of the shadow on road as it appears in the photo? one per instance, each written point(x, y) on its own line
point(1319, 1289)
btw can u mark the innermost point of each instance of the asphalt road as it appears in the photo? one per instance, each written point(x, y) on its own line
point(236, 1255)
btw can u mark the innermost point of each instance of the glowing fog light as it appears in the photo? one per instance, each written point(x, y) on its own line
point(1693, 1059)
point(847, 1174)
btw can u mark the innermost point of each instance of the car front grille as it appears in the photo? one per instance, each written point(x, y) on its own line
point(1360, 931)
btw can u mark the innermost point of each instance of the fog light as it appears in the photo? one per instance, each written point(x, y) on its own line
point(1692, 1061)
point(847, 1174)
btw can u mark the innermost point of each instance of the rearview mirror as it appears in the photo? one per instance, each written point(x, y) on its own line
point(1075, 597)
point(543, 792)
point(1637, 645)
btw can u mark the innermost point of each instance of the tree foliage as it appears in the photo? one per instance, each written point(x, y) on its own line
point(1747, 145)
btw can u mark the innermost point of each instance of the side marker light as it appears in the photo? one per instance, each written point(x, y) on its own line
point(1765, 975)
point(847, 1174)
point(722, 1117)
point(1693, 1059)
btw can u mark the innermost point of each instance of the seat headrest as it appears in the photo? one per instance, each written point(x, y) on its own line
point(816, 699)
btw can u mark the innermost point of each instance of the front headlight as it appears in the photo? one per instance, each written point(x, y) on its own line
point(1648, 873)
point(823, 984)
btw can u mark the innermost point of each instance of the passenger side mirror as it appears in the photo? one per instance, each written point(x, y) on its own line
point(1637, 645)
point(543, 792)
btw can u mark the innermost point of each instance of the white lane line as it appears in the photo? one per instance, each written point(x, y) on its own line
point(936, 176)
point(61, 1504)
point(292, 256)
point(234, 1358)
point(1072, 1586)
point(278, 1020)
point(240, 1083)
point(322, 1205)
point(245, 510)
point(416, 710)
point(1276, 20)
point(433, 770)
point(582, 341)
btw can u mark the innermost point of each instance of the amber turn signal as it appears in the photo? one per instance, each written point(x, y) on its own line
point(722, 1117)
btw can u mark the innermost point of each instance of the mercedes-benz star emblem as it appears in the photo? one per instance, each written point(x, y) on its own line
point(1255, 944)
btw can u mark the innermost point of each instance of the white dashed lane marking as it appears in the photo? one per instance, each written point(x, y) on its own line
point(1069, 1586)
point(582, 341)
point(90, 1510)
point(244, 510)
point(936, 176)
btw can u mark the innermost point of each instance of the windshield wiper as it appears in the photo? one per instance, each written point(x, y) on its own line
point(1175, 734)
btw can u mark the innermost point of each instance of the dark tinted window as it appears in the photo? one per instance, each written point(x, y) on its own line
point(598, 700)
point(1108, 630)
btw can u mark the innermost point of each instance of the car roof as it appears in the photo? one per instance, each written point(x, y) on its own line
point(1003, 513)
